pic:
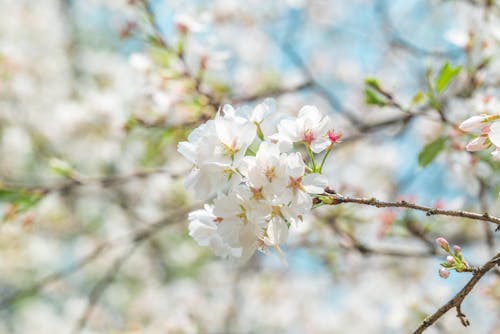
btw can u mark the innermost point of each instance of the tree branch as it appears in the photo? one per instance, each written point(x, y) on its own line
point(459, 297)
point(339, 199)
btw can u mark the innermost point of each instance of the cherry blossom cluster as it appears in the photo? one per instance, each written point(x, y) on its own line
point(250, 165)
point(489, 127)
point(454, 260)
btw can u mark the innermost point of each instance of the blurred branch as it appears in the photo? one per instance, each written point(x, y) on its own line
point(101, 286)
point(51, 278)
point(354, 243)
point(160, 38)
point(137, 237)
point(395, 38)
point(76, 180)
point(456, 302)
point(333, 100)
point(337, 199)
point(273, 93)
point(489, 236)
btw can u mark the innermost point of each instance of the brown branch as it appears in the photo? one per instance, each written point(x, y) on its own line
point(456, 302)
point(429, 211)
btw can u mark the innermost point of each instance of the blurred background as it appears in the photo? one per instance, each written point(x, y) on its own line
point(96, 94)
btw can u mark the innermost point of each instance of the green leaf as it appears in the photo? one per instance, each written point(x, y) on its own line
point(418, 98)
point(60, 167)
point(373, 83)
point(21, 199)
point(431, 151)
point(446, 76)
point(372, 98)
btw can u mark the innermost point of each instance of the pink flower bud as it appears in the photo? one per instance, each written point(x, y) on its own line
point(457, 250)
point(478, 144)
point(444, 273)
point(450, 260)
point(486, 129)
point(443, 243)
point(473, 123)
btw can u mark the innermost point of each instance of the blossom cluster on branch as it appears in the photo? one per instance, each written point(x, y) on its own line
point(489, 126)
point(253, 162)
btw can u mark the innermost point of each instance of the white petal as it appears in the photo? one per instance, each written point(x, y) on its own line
point(320, 145)
point(494, 134)
point(277, 232)
point(315, 183)
point(472, 123)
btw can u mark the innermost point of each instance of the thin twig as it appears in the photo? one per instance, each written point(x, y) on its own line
point(429, 211)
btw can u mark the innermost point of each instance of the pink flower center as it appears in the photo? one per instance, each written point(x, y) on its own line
point(334, 137)
point(295, 183)
point(308, 137)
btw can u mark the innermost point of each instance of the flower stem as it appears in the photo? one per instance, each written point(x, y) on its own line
point(311, 156)
point(324, 159)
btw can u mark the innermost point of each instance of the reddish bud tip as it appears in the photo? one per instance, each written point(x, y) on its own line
point(443, 244)
point(444, 273)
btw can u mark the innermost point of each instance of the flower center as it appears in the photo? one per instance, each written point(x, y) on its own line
point(257, 193)
point(334, 137)
point(295, 183)
point(308, 137)
point(269, 173)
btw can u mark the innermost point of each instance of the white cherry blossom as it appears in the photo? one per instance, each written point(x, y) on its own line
point(310, 127)
point(203, 228)
point(262, 188)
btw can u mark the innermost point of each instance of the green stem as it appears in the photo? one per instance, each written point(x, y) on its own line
point(324, 159)
point(311, 156)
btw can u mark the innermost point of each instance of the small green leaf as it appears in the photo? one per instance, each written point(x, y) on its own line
point(418, 98)
point(446, 76)
point(372, 98)
point(21, 199)
point(60, 167)
point(373, 83)
point(431, 151)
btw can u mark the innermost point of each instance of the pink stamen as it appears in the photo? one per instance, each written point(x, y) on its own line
point(308, 137)
point(333, 137)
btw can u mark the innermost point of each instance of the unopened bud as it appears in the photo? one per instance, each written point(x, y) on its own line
point(473, 123)
point(478, 144)
point(443, 244)
point(457, 250)
point(444, 273)
point(450, 260)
